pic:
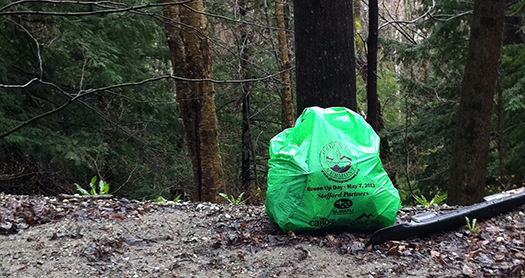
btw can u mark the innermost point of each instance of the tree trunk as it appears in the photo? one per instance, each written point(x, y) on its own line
point(500, 132)
point(287, 115)
point(324, 48)
point(245, 140)
point(371, 83)
point(242, 45)
point(186, 32)
point(374, 115)
point(471, 143)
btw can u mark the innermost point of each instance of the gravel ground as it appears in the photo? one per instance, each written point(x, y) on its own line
point(49, 237)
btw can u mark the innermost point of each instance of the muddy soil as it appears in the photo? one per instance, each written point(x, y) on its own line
point(49, 237)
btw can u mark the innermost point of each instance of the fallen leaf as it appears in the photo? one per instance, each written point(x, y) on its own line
point(467, 271)
point(499, 257)
point(520, 255)
point(332, 240)
point(392, 251)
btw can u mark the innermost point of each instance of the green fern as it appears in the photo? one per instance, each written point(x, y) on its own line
point(103, 188)
point(472, 228)
point(232, 200)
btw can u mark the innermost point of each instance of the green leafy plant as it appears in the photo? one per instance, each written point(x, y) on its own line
point(103, 188)
point(472, 227)
point(161, 199)
point(232, 200)
point(436, 200)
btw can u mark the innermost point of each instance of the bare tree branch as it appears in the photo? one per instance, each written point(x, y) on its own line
point(83, 93)
point(448, 17)
point(234, 20)
point(114, 10)
point(414, 21)
point(84, 52)
point(37, 45)
point(400, 30)
point(36, 118)
point(121, 7)
point(160, 18)
point(19, 86)
point(55, 2)
point(428, 13)
point(129, 177)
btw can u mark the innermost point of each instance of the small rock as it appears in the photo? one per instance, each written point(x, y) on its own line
point(5, 226)
point(193, 239)
point(22, 226)
point(134, 241)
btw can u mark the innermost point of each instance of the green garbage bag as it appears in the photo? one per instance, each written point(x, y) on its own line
point(326, 173)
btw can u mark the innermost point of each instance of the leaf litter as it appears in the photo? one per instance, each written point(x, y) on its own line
point(46, 236)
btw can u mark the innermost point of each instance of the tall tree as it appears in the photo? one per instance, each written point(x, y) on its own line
point(471, 142)
point(374, 115)
point(287, 115)
point(371, 82)
point(324, 49)
point(243, 43)
point(187, 35)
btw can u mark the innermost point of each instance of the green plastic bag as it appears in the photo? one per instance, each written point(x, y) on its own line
point(326, 173)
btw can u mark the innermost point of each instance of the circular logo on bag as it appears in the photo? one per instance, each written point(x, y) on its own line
point(337, 162)
point(343, 203)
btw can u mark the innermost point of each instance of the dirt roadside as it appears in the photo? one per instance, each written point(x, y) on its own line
point(119, 238)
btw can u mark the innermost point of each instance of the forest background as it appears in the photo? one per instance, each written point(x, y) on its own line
point(88, 87)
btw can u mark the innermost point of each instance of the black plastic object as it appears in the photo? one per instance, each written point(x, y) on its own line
point(429, 223)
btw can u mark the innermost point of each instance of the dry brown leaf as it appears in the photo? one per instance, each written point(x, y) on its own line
point(332, 240)
point(392, 251)
point(510, 227)
point(493, 229)
point(520, 255)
